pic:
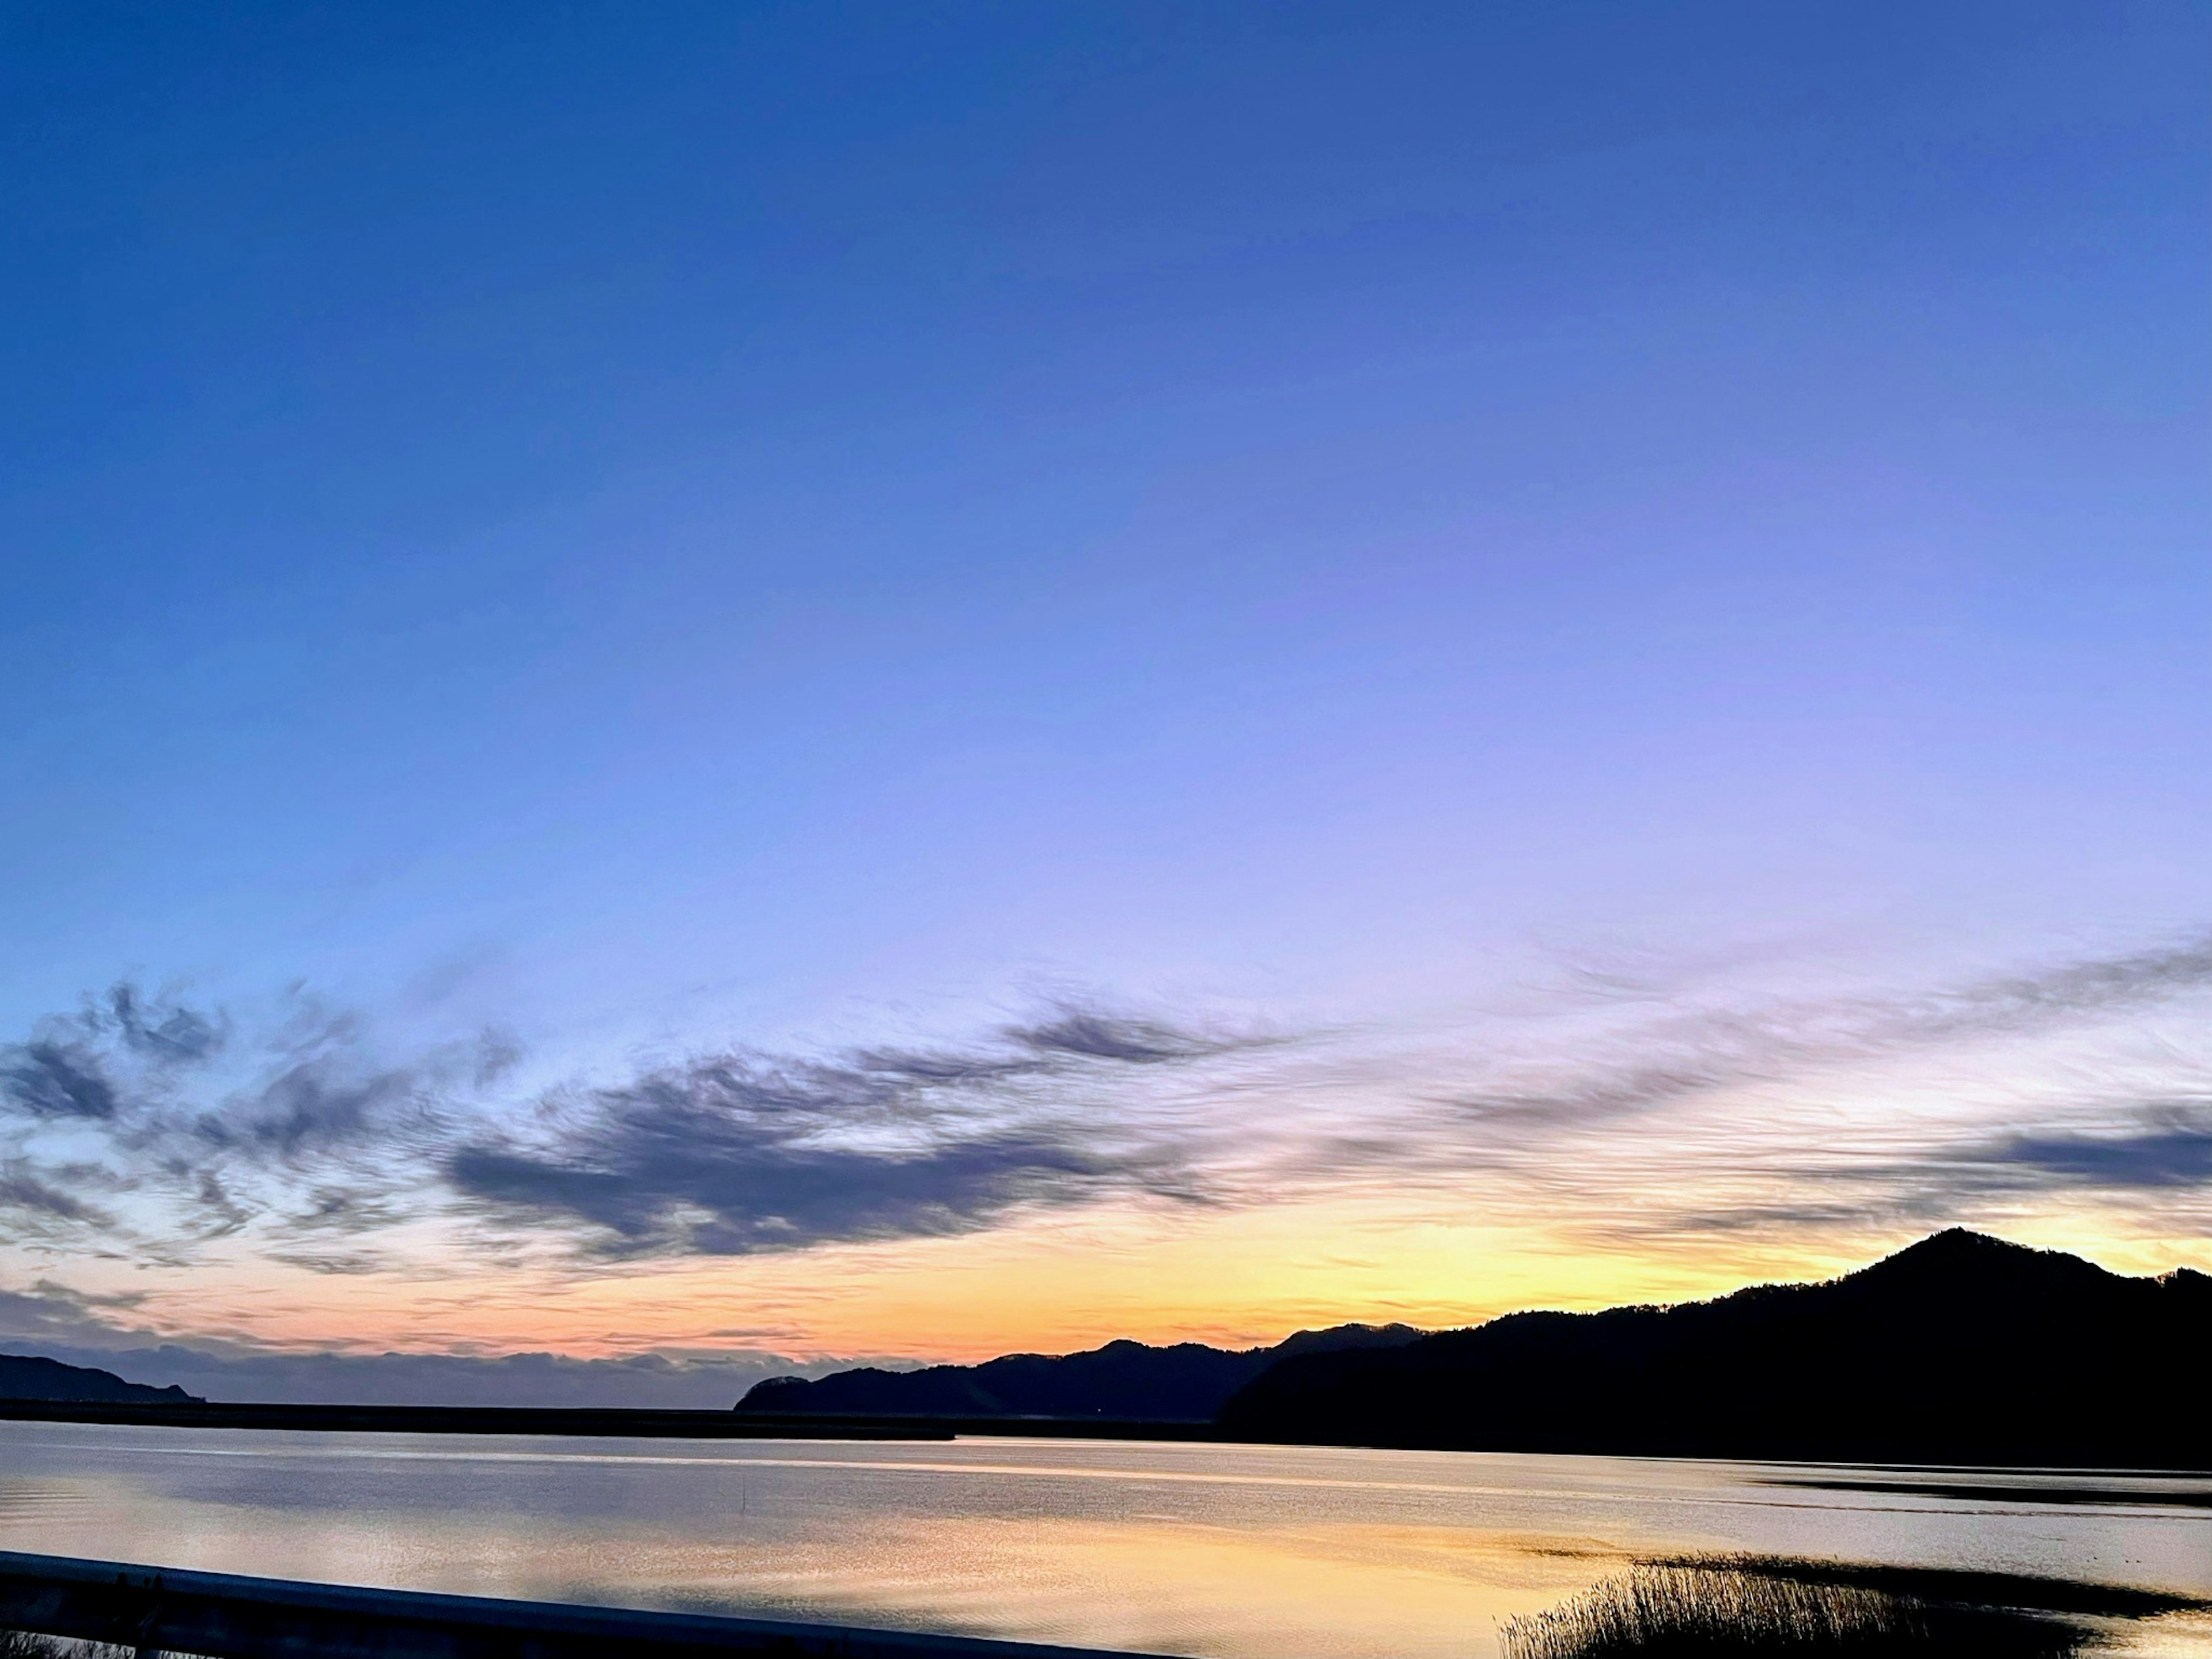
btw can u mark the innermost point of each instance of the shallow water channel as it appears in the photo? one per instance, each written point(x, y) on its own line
point(1241, 1551)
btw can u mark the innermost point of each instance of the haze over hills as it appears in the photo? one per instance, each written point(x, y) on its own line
point(1188, 1382)
point(26, 1377)
point(1960, 1349)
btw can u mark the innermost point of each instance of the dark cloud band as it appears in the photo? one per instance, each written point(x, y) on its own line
point(318, 1138)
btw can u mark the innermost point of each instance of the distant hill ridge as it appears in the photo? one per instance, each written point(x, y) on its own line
point(24, 1376)
point(1960, 1349)
point(1188, 1382)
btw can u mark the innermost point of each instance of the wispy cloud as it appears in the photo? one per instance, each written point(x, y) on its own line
point(2105, 1154)
point(55, 1079)
point(2174, 1149)
point(67, 1069)
point(1617, 1070)
point(1627, 1111)
point(145, 1127)
point(309, 1134)
point(23, 1190)
point(743, 1153)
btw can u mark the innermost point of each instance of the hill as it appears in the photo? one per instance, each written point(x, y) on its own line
point(1960, 1349)
point(24, 1376)
point(1187, 1383)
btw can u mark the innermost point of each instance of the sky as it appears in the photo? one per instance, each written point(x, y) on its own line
point(710, 690)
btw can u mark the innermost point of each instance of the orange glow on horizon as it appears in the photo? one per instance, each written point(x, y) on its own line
point(1234, 1278)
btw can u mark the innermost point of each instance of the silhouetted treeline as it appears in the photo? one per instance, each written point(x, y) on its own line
point(1961, 1349)
point(1188, 1382)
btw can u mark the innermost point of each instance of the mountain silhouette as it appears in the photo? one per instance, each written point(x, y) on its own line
point(1960, 1349)
point(24, 1376)
point(1187, 1383)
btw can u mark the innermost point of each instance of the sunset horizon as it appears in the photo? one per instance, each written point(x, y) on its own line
point(754, 691)
point(1193, 1230)
point(1113, 830)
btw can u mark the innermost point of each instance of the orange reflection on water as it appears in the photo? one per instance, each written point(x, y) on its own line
point(1154, 1586)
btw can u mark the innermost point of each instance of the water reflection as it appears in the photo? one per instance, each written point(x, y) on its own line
point(1236, 1551)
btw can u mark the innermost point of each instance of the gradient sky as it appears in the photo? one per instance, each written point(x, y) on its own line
point(914, 680)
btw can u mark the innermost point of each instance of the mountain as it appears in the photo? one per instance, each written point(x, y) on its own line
point(1961, 1349)
point(1186, 1383)
point(23, 1376)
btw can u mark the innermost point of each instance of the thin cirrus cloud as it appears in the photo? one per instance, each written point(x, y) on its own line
point(312, 1142)
point(34, 1201)
point(1698, 1052)
point(1652, 1127)
point(1634, 1110)
point(152, 1131)
point(2121, 1152)
point(151, 1128)
point(741, 1154)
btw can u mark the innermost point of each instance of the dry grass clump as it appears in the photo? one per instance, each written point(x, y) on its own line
point(1664, 1612)
point(29, 1644)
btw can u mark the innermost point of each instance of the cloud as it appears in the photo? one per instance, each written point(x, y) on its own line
point(238, 1372)
point(66, 1068)
point(108, 1332)
point(331, 1261)
point(2176, 1158)
point(2171, 1147)
point(2109, 1153)
point(50, 1314)
point(307, 1133)
point(169, 1032)
point(303, 1139)
point(741, 1154)
point(22, 1188)
point(1599, 1075)
point(1091, 1034)
point(176, 1136)
point(1633, 1112)
point(318, 1102)
point(54, 1079)
point(2096, 985)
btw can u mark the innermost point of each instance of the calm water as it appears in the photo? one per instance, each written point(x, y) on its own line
point(1246, 1553)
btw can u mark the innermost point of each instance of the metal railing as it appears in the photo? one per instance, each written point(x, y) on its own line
point(159, 1609)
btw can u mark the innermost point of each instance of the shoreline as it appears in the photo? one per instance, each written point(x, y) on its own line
point(625, 1422)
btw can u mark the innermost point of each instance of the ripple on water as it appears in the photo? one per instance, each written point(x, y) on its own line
point(22, 1500)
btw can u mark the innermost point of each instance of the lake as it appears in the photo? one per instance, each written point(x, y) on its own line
point(1240, 1551)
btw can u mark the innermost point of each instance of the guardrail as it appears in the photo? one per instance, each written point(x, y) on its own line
point(157, 1609)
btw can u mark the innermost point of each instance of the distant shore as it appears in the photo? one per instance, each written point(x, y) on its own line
point(621, 1421)
point(639, 1423)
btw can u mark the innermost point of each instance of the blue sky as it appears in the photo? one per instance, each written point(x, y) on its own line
point(792, 527)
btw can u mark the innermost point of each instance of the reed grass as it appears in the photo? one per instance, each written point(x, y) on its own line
point(1676, 1612)
point(29, 1644)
